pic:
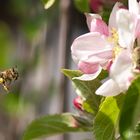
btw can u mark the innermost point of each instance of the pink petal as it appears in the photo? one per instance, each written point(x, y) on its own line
point(88, 77)
point(88, 68)
point(108, 65)
point(101, 57)
point(91, 44)
point(112, 19)
point(96, 24)
point(90, 17)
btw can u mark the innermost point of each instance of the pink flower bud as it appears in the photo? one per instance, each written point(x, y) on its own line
point(78, 103)
point(96, 5)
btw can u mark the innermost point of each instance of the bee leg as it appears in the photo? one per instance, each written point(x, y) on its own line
point(6, 88)
point(4, 84)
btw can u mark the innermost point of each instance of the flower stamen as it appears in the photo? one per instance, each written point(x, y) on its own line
point(114, 38)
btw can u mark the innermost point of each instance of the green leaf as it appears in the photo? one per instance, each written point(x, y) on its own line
point(130, 114)
point(105, 14)
point(71, 73)
point(106, 119)
point(87, 89)
point(48, 3)
point(51, 125)
point(82, 5)
point(88, 105)
point(84, 88)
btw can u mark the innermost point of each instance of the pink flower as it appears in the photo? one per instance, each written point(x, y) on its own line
point(123, 69)
point(93, 51)
point(110, 47)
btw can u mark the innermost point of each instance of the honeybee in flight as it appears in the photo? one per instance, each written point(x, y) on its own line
point(7, 77)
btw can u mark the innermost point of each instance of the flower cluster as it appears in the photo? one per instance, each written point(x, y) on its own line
point(113, 47)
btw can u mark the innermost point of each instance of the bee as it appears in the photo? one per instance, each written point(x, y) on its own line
point(7, 77)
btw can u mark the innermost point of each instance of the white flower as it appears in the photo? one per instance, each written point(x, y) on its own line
point(121, 71)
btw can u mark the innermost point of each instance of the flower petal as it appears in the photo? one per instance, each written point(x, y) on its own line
point(137, 29)
point(112, 19)
point(101, 57)
point(126, 28)
point(134, 7)
point(109, 88)
point(88, 45)
point(88, 68)
point(88, 77)
point(121, 63)
point(120, 76)
point(90, 17)
point(121, 70)
point(98, 25)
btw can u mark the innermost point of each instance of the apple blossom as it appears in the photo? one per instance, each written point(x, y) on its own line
point(110, 47)
point(126, 64)
point(93, 51)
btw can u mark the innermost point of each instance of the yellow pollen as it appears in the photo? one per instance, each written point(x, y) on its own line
point(116, 51)
point(115, 39)
point(114, 36)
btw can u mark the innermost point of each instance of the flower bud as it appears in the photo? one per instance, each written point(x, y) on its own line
point(77, 102)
